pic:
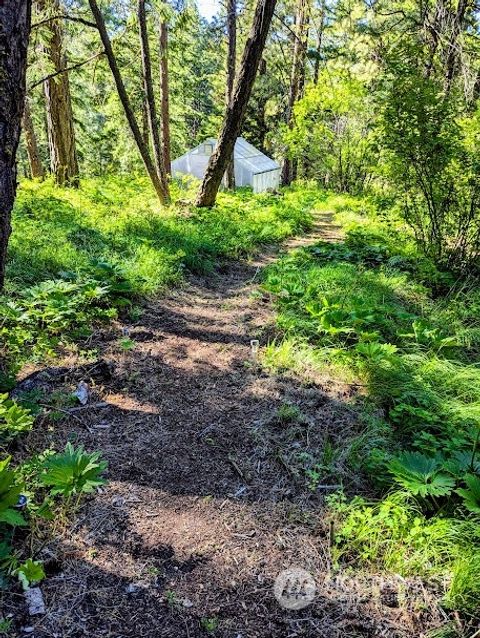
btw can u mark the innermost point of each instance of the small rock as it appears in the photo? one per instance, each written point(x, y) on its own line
point(28, 630)
point(34, 600)
point(186, 602)
point(131, 588)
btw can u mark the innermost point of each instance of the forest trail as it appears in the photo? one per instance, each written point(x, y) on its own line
point(204, 505)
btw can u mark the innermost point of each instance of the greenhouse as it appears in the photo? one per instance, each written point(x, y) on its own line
point(252, 167)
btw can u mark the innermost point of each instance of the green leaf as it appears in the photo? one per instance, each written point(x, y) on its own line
point(12, 517)
point(30, 573)
point(471, 496)
point(73, 471)
point(421, 475)
point(460, 463)
point(14, 419)
point(9, 493)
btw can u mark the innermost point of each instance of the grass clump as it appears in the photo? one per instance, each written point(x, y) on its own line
point(394, 534)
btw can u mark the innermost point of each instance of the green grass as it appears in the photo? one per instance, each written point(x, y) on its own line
point(118, 220)
point(77, 256)
point(373, 308)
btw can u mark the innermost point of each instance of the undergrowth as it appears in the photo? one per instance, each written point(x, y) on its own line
point(77, 256)
point(371, 308)
point(118, 220)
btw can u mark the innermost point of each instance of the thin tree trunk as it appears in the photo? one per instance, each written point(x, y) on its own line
point(296, 81)
point(145, 127)
point(61, 134)
point(36, 166)
point(165, 105)
point(432, 27)
point(231, 56)
point(14, 33)
point(316, 69)
point(235, 113)
point(261, 109)
point(122, 93)
point(151, 107)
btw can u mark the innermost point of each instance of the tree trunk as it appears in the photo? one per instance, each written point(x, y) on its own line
point(261, 110)
point(165, 106)
point(148, 85)
point(432, 27)
point(61, 134)
point(321, 27)
point(36, 167)
point(231, 56)
point(453, 50)
point(122, 93)
point(296, 81)
point(14, 32)
point(145, 127)
point(235, 113)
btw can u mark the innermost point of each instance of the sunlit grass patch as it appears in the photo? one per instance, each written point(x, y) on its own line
point(119, 220)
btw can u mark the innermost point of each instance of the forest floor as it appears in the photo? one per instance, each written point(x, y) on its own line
point(202, 511)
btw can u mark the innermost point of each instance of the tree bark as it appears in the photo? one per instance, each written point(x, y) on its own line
point(36, 166)
point(122, 93)
point(316, 69)
point(148, 86)
point(235, 113)
point(231, 58)
point(296, 80)
point(145, 127)
point(14, 33)
point(61, 134)
point(165, 96)
point(453, 54)
point(261, 109)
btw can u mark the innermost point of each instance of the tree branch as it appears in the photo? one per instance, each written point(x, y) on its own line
point(66, 70)
point(64, 17)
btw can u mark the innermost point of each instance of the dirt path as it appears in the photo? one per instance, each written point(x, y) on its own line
point(205, 503)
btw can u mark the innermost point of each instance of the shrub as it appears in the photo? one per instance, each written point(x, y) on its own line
point(434, 159)
point(14, 419)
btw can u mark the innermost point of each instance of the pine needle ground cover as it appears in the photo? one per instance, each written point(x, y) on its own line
point(374, 311)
